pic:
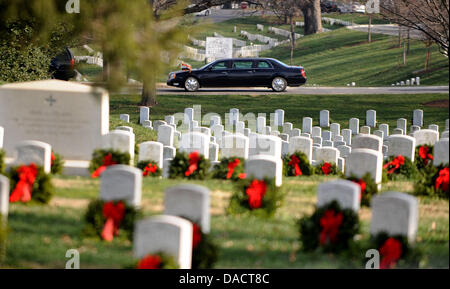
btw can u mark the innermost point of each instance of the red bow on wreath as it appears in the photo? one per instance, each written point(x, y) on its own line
point(52, 158)
point(150, 262)
point(395, 164)
point(442, 180)
point(114, 214)
point(150, 169)
point(255, 193)
point(294, 162)
point(326, 168)
point(24, 187)
point(424, 155)
point(330, 223)
point(194, 158)
point(362, 184)
point(107, 161)
point(391, 251)
point(196, 235)
point(231, 166)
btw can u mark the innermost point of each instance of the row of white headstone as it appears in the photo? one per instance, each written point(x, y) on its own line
point(392, 212)
point(364, 154)
point(408, 82)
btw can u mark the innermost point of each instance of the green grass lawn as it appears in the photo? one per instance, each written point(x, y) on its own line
point(332, 58)
point(342, 107)
point(40, 235)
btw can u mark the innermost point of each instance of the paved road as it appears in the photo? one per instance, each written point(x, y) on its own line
point(387, 29)
point(310, 90)
point(220, 15)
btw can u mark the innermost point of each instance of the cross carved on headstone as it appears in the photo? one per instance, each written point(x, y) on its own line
point(50, 100)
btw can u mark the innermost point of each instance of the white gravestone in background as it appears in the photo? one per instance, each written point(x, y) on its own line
point(189, 201)
point(71, 117)
point(153, 151)
point(346, 193)
point(441, 152)
point(168, 234)
point(121, 182)
point(36, 152)
point(4, 196)
point(217, 48)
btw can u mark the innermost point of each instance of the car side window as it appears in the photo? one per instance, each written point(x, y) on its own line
point(220, 66)
point(242, 64)
point(263, 64)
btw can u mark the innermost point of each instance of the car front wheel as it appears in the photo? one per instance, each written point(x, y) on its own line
point(191, 84)
point(279, 84)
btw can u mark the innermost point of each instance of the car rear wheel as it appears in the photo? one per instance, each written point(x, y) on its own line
point(279, 84)
point(191, 84)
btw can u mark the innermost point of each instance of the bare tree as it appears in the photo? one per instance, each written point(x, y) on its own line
point(431, 17)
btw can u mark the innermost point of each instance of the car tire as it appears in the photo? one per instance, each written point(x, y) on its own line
point(279, 84)
point(191, 84)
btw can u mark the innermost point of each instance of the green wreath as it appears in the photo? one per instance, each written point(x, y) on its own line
point(393, 170)
point(368, 188)
point(430, 183)
point(179, 167)
point(289, 162)
point(157, 260)
point(221, 170)
point(95, 220)
point(204, 250)
point(313, 235)
point(149, 168)
point(265, 206)
point(327, 168)
point(423, 156)
point(42, 189)
point(403, 255)
point(101, 157)
point(57, 164)
point(2, 162)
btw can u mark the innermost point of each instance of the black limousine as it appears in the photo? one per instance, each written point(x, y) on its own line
point(240, 72)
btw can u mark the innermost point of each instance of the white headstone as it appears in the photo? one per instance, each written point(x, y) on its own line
point(279, 117)
point(195, 141)
point(151, 150)
point(4, 196)
point(266, 145)
point(372, 142)
point(120, 140)
point(302, 144)
point(264, 166)
point(354, 125)
point(121, 182)
point(344, 150)
point(335, 129)
point(169, 153)
point(327, 154)
point(346, 193)
point(71, 117)
point(365, 130)
point(219, 47)
point(144, 114)
point(395, 214)
point(401, 145)
point(363, 161)
point(347, 134)
point(36, 152)
point(324, 118)
point(440, 153)
point(125, 117)
point(165, 135)
point(189, 201)
point(384, 127)
point(316, 131)
point(213, 152)
point(169, 234)
point(125, 128)
point(426, 137)
point(418, 117)
point(2, 132)
point(307, 125)
point(371, 118)
point(402, 124)
point(235, 146)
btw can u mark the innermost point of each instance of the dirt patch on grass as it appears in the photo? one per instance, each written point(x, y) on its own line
point(64, 184)
point(442, 103)
point(70, 203)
